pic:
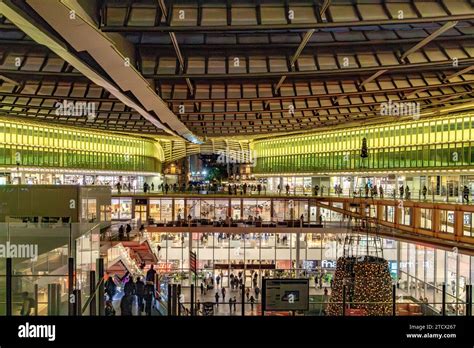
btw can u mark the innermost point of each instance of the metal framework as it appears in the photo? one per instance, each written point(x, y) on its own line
point(255, 68)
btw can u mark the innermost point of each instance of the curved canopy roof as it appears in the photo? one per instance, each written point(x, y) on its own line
point(203, 69)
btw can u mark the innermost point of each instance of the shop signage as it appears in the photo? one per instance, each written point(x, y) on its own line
point(328, 264)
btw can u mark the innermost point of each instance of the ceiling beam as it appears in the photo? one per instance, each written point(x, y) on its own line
point(371, 78)
point(177, 50)
point(459, 73)
point(286, 27)
point(371, 93)
point(446, 26)
point(107, 66)
point(430, 66)
point(324, 7)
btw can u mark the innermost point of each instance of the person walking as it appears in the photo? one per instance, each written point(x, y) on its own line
point(149, 297)
point(424, 191)
point(27, 304)
point(128, 230)
point(150, 275)
point(218, 280)
point(247, 293)
point(140, 292)
point(202, 288)
point(217, 298)
point(129, 287)
point(316, 190)
point(126, 305)
point(121, 232)
point(235, 304)
point(252, 302)
point(223, 291)
point(257, 292)
point(110, 288)
point(231, 301)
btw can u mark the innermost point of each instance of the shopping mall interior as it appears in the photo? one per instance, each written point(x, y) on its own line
point(236, 158)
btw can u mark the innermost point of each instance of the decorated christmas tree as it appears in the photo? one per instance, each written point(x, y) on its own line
point(363, 274)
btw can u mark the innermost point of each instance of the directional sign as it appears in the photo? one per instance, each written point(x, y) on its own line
point(286, 294)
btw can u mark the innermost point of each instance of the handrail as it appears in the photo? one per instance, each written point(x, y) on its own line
point(89, 300)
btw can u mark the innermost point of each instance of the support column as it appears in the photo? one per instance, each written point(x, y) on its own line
point(468, 300)
point(9, 275)
point(174, 302)
point(458, 224)
point(443, 300)
point(193, 311)
point(93, 303)
point(71, 296)
point(100, 270)
point(170, 302)
point(394, 300)
point(415, 217)
point(243, 299)
point(298, 247)
point(436, 222)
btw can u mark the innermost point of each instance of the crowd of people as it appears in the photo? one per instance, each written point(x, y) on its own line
point(368, 190)
point(139, 291)
point(236, 283)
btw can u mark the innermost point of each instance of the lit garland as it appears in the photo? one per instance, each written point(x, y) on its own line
point(368, 286)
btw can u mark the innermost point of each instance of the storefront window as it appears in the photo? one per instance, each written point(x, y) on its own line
point(89, 209)
point(390, 214)
point(121, 208)
point(167, 210)
point(207, 209)
point(467, 224)
point(155, 209)
point(236, 209)
point(406, 216)
point(105, 213)
point(447, 221)
point(279, 210)
point(194, 208)
point(426, 216)
point(179, 209)
point(250, 208)
point(264, 209)
point(221, 208)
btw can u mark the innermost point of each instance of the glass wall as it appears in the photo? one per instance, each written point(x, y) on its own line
point(37, 145)
point(39, 253)
point(403, 145)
